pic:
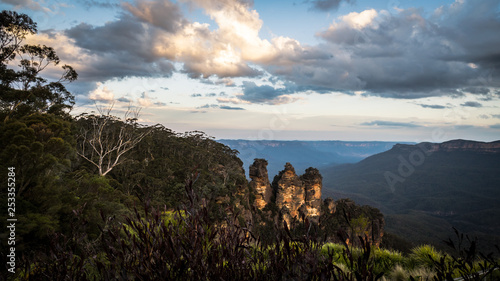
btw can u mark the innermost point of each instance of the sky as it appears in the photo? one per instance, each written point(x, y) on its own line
point(353, 70)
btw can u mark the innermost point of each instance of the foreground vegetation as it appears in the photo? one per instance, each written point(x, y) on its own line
point(187, 245)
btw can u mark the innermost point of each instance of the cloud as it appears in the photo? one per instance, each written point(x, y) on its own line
point(232, 100)
point(463, 127)
point(159, 103)
point(477, 90)
point(163, 14)
point(327, 5)
point(208, 106)
point(114, 50)
point(126, 36)
point(433, 106)
point(122, 52)
point(102, 93)
point(403, 55)
point(406, 55)
point(266, 94)
point(100, 3)
point(146, 101)
point(225, 107)
point(196, 95)
point(124, 99)
point(230, 107)
point(27, 4)
point(260, 94)
point(497, 116)
point(483, 93)
point(382, 123)
point(226, 82)
point(472, 104)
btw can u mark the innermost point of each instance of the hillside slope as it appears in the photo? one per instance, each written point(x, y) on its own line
point(426, 189)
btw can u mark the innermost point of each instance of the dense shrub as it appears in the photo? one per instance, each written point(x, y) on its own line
point(187, 244)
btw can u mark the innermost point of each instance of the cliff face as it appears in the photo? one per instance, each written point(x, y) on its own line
point(260, 183)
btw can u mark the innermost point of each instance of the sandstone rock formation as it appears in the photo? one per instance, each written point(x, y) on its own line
point(290, 193)
point(296, 197)
point(293, 195)
point(312, 180)
point(260, 183)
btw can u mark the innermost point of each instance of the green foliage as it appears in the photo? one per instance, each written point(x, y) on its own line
point(385, 260)
point(24, 91)
point(394, 242)
point(356, 221)
point(189, 245)
point(424, 256)
point(41, 149)
point(156, 169)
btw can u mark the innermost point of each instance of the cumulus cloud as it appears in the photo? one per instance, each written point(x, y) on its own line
point(405, 55)
point(146, 101)
point(383, 123)
point(232, 48)
point(102, 93)
point(163, 14)
point(114, 50)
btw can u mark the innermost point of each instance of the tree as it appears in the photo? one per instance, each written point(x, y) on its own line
point(23, 90)
point(104, 139)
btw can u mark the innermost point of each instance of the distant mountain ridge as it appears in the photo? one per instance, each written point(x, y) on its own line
point(304, 154)
point(426, 188)
point(455, 145)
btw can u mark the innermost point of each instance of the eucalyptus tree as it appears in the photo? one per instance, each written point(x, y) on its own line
point(23, 89)
point(103, 139)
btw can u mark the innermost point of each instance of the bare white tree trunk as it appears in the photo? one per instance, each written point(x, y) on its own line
point(103, 144)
